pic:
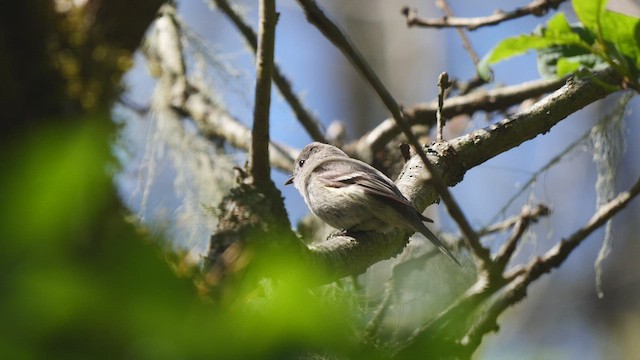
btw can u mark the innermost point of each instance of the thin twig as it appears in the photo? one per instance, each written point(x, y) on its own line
point(317, 17)
point(553, 258)
point(214, 122)
point(480, 253)
point(504, 254)
point(527, 216)
point(560, 252)
point(260, 165)
point(444, 6)
point(534, 214)
point(443, 85)
point(536, 8)
point(477, 80)
point(516, 283)
point(399, 267)
point(553, 161)
point(373, 326)
point(424, 337)
point(306, 118)
point(470, 85)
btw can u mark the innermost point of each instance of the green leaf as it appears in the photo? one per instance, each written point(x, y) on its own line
point(565, 66)
point(79, 282)
point(517, 46)
point(622, 33)
point(558, 25)
point(484, 71)
point(554, 62)
point(568, 65)
point(589, 12)
point(618, 34)
point(557, 33)
point(560, 60)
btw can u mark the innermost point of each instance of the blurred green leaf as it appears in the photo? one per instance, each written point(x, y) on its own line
point(571, 64)
point(622, 33)
point(589, 12)
point(78, 281)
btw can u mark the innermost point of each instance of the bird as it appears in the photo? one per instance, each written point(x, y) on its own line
point(352, 195)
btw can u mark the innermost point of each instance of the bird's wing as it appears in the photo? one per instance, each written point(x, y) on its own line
point(342, 172)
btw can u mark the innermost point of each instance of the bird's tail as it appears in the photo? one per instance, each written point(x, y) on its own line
point(434, 239)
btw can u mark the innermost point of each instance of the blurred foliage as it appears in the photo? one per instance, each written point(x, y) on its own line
point(604, 38)
point(91, 67)
point(58, 58)
point(78, 281)
point(25, 64)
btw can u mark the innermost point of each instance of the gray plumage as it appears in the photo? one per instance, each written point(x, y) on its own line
point(352, 195)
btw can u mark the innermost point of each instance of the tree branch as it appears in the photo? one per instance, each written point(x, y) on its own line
point(306, 118)
point(214, 122)
point(345, 255)
point(533, 214)
point(491, 100)
point(373, 326)
point(444, 6)
point(478, 80)
point(517, 290)
point(464, 343)
point(260, 166)
point(316, 16)
point(536, 8)
point(505, 252)
point(538, 119)
point(443, 85)
point(190, 101)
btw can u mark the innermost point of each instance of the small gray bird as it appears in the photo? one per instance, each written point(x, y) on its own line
point(352, 195)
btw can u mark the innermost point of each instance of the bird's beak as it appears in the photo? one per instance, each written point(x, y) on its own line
point(289, 181)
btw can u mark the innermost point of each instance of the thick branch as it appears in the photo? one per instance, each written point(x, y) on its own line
point(536, 8)
point(491, 100)
point(306, 118)
point(529, 123)
point(260, 165)
point(344, 255)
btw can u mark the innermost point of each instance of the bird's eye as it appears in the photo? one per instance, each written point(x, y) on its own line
point(300, 163)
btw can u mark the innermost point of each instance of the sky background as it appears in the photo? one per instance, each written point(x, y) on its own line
point(562, 316)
